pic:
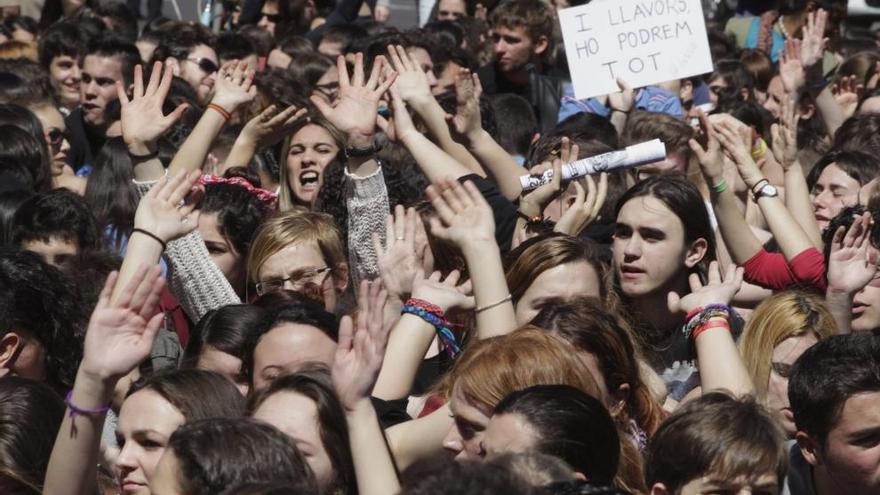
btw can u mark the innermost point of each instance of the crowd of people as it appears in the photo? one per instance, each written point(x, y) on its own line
point(289, 252)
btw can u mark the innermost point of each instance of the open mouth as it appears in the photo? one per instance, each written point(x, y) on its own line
point(309, 180)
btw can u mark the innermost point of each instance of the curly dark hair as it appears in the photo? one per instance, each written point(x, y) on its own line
point(239, 213)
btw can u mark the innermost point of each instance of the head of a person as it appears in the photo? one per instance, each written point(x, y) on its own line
point(557, 420)
point(41, 320)
point(675, 134)
point(834, 393)
point(782, 327)
point(289, 337)
point(56, 225)
point(205, 457)
point(338, 40)
point(108, 60)
point(717, 444)
point(491, 369)
point(219, 341)
point(230, 214)
point(605, 344)
point(188, 50)
point(110, 194)
point(862, 66)
point(522, 32)
point(24, 154)
point(661, 235)
point(516, 122)
point(451, 10)
point(155, 408)
point(730, 81)
point(302, 252)
point(9, 202)
point(235, 46)
point(54, 132)
point(30, 417)
point(288, 49)
point(558, 267)
point(760, 67)
point(314, 143)
point(465, 477)
point(305, 408)
point(836, 179)
point(60, 50)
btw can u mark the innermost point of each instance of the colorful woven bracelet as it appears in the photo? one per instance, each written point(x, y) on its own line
point(447, 337)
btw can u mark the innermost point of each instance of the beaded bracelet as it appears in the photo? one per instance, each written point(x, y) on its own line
point(433, 315)
point(77, 411)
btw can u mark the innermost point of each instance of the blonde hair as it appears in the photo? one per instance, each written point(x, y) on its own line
point(297, 227)
point(493, 368)
point(286, 200)
point(780, 317)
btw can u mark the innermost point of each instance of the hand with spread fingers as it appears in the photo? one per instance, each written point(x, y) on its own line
point(463, 216)
point(852, 263)
point(143, 120)
point(166, 211)
point(445, 293)
point(398, 260)
point(412, 81)
point(585, 208)
point(234, 86)
point(270, 126)
point(718, 291)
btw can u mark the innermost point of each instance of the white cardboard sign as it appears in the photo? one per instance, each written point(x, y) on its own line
point(643, 42)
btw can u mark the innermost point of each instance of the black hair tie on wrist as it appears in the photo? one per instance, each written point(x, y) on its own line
point(152, 235)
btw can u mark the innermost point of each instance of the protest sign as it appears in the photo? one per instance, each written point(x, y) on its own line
point(643, 42)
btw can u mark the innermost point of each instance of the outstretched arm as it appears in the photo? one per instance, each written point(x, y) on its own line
point(120, 336)
point(266, 129)
point(355, 370)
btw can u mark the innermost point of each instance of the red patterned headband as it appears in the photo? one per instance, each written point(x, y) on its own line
point(263, 195)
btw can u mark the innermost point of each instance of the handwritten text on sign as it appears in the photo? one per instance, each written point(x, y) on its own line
point(642, 41)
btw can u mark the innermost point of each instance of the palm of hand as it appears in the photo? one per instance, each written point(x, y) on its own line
point(792, 74)
point(230, 94)
point(443, 295)
point(470, 223)
point(162, 219)
point(847, 269)
point(355, 110)
point(710, 294)
point(115, 342)
point(397, 268)
point(412, 84)
point(143, 121)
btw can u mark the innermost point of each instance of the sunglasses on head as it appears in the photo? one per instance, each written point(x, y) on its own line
point(273, 18)
point(207, 65)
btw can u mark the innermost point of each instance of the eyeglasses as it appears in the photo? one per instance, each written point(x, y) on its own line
point(298, 280)
point(56, 136)
point(207, 65)
point(273, 18)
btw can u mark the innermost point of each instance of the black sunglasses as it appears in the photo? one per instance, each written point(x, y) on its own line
point(207, 65)
point(273, 18)
point(56, 136)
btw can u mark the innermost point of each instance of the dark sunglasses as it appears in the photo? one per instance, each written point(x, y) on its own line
point(273, 18)
point(56, 136)
point(207, 65)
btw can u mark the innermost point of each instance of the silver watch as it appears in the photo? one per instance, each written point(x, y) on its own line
point(767, 190)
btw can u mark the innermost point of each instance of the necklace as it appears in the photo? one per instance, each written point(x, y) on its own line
point(781, 26)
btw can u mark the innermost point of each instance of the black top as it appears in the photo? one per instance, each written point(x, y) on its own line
point(84, 144)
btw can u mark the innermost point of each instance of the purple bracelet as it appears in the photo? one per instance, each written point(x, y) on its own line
point(76, 411)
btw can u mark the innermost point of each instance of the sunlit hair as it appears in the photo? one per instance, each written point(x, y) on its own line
point(780, 317)
point(533, 257)
point(493, 368)
point(286, 200)
point(298, 228)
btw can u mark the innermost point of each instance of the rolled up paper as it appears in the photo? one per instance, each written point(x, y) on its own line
point(629, 157)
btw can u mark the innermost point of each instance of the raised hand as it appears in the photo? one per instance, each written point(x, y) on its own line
point(398, 261)
point(710, 157)
point(361, 348)
point(234, 86)
point(624, 99)
point(853, 261)
point(847, 93)
point(412, 81)
point(356, 107)
point(533, 203)
point(785, 134)
point(166, 210)
point(585, 208)
point(447, 294)
point(736, 142)
point(467, 121)
point(400, 124)
point(463, 215)
point(143, 120)
point(791, 68)
point(718, 291)
point(269, 127)
point(814, 40)
point(120, 335)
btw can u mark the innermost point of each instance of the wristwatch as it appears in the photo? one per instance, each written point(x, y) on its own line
point(351, 152)
point(767, 190)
